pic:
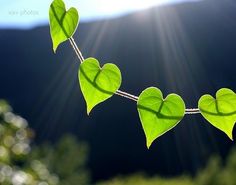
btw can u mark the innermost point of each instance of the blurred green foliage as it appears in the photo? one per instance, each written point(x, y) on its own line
point(20, 164)
point(15, 138)
point(215, 173)
point(218, 174)
point(141, 179)
point(67, 159)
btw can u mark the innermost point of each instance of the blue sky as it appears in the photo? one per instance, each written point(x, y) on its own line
point(30, 13)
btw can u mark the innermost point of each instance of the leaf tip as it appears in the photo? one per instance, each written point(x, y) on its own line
point(148, 144)
point(230, 136)
point(55, 48)
point(88, 111)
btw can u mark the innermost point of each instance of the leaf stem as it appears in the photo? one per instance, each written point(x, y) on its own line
point(192, 111)
point(76, 49)
point(119, 92)
point(126, 95)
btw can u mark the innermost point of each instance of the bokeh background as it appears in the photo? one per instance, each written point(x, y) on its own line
point(185, 47)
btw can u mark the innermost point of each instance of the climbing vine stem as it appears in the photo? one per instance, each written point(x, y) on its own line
point(76, 49)
point(171, 111)
point(119, 92)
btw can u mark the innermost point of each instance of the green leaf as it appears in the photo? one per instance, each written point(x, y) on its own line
point(98, 84)
point(63, 23)
point(159, 115)
point(220, 112)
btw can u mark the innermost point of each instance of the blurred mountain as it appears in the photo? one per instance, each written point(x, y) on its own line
point(188, 49)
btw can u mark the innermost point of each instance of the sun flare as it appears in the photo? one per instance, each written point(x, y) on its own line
point(122, 5)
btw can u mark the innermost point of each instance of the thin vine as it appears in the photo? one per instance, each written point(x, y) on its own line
point(119, 92)
point(157, 114)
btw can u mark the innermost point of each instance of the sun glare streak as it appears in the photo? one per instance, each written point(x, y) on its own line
point(54, 107)
point(111, 7)
point(179, 65)
point(98, 37)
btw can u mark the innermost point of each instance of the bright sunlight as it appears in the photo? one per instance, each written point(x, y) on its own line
point(111, 7)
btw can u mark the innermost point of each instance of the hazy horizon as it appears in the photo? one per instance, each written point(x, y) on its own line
point(27, 14)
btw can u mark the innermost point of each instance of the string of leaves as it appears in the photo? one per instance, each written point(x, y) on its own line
point(157, 114)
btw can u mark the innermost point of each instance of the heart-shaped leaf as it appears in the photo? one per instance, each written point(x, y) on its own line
point(220, 112)
point(159, 115)
point(98, 84)
point(63, 23)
